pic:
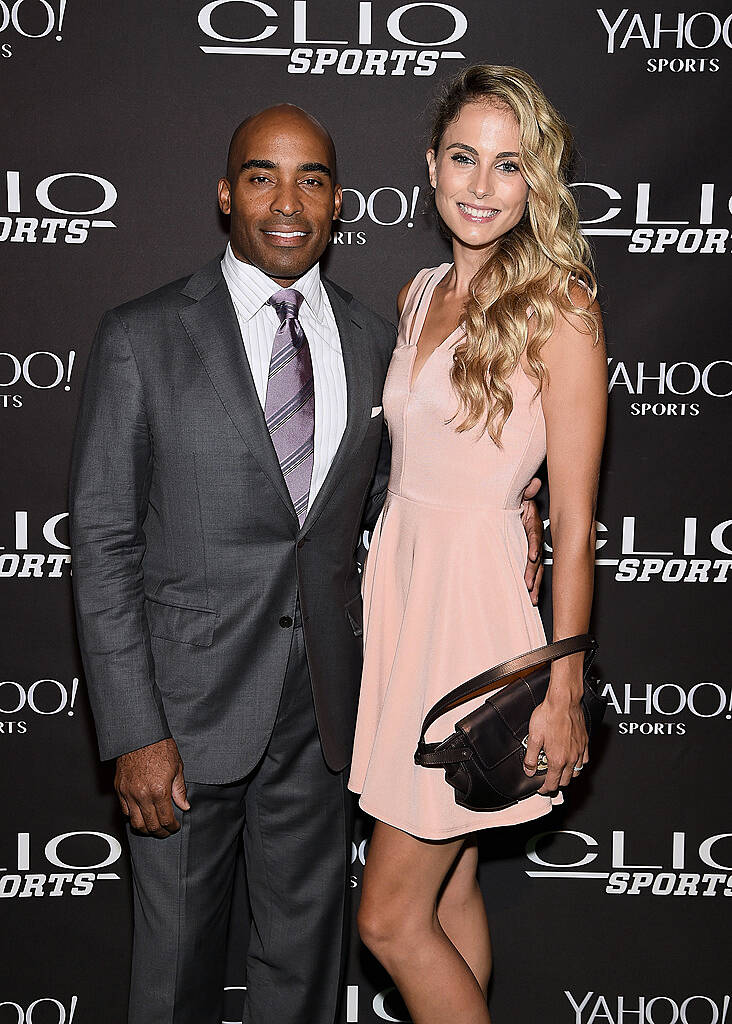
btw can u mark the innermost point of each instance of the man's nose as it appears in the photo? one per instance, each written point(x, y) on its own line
point(286, 201)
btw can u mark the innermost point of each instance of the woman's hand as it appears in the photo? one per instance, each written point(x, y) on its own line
point(558, 726)
point(534, 528)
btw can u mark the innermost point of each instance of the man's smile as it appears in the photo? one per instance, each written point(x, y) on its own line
point(285, 236)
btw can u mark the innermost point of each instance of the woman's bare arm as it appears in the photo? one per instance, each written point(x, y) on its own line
point(574, 401)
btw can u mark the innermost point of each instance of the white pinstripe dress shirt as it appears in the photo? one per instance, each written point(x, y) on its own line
point(250, 289)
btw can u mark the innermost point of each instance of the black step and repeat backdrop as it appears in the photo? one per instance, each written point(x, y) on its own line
point(115, 122)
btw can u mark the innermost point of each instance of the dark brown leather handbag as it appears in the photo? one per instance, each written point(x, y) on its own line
point(483, 757)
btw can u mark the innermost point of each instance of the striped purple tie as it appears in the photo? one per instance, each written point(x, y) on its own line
point(290, 405)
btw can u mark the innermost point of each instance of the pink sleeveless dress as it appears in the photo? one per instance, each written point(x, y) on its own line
point(444, 594)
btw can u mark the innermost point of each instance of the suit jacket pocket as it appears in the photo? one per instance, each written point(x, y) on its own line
point(354, 612)
point(181, 623)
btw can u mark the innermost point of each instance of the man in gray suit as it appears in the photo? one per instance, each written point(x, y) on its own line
point(229, 452)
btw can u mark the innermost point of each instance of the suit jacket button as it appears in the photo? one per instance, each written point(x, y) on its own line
point(285, 621)
point(301, 544)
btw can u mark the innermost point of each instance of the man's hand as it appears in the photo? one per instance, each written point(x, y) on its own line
point(535, 535)
point(147, 781)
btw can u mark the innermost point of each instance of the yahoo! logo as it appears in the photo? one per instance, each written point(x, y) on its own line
point(644, 1009)
point(654, 709)
point(30, 19)
point(21, 1014)
point(701, 30)
point(385, 206)
point(238, 27)
point(661, 388)
point(41, 371)
point(43, 698)
point(698, 31)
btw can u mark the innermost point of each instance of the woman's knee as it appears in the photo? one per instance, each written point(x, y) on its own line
point(385, 925)
point(374, 925)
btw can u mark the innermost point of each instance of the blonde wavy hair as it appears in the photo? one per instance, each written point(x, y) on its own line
point(535, 264)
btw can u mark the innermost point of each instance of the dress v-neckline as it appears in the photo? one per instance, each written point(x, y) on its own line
point(413, 331)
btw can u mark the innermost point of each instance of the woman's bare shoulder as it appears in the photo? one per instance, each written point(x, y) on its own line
point(402, 297)
point(421, 275)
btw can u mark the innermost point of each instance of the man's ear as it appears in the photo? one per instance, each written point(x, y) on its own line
point(338, 201)
point(224, 193)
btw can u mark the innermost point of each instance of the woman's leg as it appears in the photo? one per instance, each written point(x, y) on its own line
point(399, 923)
point(461, 911)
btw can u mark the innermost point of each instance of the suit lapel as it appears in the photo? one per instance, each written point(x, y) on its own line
point(213, 329)
point(359, 393)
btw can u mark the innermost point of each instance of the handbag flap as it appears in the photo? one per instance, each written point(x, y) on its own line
point(509, 671)
point(515, 703)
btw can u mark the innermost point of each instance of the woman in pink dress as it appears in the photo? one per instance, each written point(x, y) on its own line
point(499, 363)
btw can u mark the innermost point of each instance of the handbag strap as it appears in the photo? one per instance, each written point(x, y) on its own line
point(493, 676)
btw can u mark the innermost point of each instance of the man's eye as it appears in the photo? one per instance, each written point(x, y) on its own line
point(312, 181)
point(259, 177)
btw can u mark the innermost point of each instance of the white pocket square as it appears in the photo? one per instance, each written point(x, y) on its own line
point(375, 411)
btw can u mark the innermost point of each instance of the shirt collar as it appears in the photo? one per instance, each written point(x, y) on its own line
point(251, 288)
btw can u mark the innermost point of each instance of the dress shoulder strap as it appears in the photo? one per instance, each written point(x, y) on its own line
point(415, 297)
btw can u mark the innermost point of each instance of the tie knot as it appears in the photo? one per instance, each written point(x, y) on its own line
point(287, 302)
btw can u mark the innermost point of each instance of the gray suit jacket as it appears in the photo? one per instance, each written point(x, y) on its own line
point(187, 552)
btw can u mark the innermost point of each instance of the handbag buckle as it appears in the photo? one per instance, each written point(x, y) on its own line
point(542, 763)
